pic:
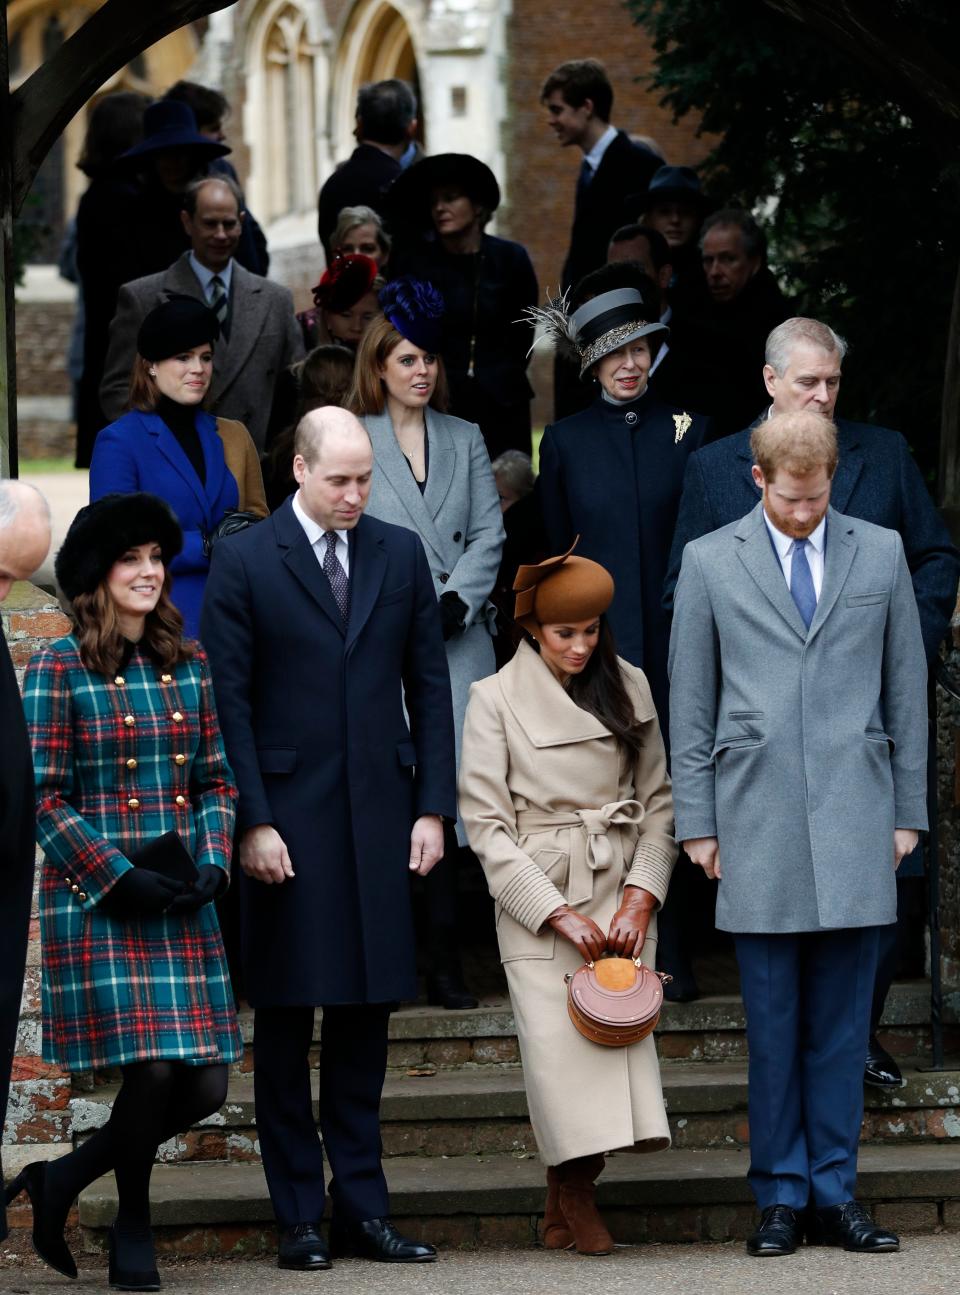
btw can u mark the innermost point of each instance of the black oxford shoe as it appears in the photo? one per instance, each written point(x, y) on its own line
point(880, 1070)
point(378, 1239)
point(303, 1249)
point(779, 1233)
point(849, 1225)
point(448, 991)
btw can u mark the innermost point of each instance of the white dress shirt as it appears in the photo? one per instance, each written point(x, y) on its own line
point(595, 156)
point(206, 277)
point(315, 534)
point(815, 546)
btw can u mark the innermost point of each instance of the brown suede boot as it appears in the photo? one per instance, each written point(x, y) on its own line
point(578, 1204)
point(556, 1234)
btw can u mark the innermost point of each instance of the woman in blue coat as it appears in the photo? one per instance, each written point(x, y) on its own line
point(135, 814)
point(204, 467)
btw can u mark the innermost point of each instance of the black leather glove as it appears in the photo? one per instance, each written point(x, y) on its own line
point(141, 892)
point(453, 614)
point(211, 880)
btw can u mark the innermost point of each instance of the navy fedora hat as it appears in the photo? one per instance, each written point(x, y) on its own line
point(169, 125)
point(676, 182)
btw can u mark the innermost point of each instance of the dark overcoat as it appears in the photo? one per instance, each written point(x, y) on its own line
point(361, 181)
point(876, 480)
point(118, 762)
point(17, 850)
point(613, 475)
point(314, 724)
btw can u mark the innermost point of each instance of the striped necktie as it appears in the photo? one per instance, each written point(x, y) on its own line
point(220, 302)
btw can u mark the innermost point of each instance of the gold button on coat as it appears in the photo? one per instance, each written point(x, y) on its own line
point(119, 681)
point(181, 800)
point(166, 678)
point(131, 763)
point(177, 717)
point(180, 759)
point(75, 888)
point(133, 803)
point(81, 897)
point(129, 720)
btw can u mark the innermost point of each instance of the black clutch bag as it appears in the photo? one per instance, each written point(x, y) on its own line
point(168, 856)
point(235, 519)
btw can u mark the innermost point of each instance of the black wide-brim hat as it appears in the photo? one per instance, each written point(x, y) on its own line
point(167, 127)
point(104, 530)
point(409, 195)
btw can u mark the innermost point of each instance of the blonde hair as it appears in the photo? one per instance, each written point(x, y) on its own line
point(799, 442)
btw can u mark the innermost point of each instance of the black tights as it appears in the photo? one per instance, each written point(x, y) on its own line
point(156, 1100)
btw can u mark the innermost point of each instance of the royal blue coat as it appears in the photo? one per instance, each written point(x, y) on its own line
point(139, 452)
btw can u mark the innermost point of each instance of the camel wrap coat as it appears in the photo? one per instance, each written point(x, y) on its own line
point(558, 814)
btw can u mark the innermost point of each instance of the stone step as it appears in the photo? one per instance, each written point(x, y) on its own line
point(491, 1200)
point(484, 1111)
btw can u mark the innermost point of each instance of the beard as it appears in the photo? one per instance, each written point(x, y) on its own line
point(788, 526)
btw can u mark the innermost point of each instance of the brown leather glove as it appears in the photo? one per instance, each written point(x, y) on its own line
point(628, 929)
point(581, 931)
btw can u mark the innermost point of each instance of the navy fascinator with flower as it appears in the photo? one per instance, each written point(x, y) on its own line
point(415, 308)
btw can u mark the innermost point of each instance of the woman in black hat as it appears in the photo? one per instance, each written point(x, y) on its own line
point(135, 813)
point(443, 205)
point(204, 467)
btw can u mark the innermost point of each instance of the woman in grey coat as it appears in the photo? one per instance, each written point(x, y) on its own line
point(432, 474)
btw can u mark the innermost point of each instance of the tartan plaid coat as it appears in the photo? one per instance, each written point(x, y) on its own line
point(117, 763)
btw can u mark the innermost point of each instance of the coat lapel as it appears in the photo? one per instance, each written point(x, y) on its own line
point(368, 566)
point(443, 458)
point(246, 321)
point(217, 486)
point(838, 557)
point(301, 559)
point(180, 280)
point(169, 447)
point(540, 705)
point(849, 467)
point(397, 475)
point(757, 554)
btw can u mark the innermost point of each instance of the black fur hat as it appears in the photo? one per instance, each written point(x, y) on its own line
point(105, 529)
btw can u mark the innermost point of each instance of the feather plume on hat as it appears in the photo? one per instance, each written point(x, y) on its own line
point(551, 324)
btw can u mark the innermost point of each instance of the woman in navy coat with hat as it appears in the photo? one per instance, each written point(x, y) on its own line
point(204, 467)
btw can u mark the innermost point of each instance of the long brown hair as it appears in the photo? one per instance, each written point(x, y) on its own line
point(144, 394)
point(600, 690)
point(367, 394)
point(102, 643)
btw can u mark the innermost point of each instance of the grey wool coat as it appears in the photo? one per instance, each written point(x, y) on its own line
point(264, 339)
point(800, 750)
point(458, 519)
point(558, 814)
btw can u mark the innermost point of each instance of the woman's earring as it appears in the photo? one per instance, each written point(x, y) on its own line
point(153, 373)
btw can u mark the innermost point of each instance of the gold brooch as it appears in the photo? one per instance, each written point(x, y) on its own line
point(682, 424)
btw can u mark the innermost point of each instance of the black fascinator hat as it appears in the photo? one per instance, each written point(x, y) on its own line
point(415, 308)
point(178, 324)
point(105, 529)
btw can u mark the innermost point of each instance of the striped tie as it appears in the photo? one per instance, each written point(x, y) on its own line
point(220, 302)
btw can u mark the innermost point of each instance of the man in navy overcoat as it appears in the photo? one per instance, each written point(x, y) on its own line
point(320, 624)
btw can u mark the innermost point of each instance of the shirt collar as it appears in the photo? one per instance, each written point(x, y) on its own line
point(205, 276)
point(784, 543)
point(314, 531)
point(595, 156)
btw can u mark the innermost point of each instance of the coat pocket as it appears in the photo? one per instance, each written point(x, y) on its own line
point(277, 759)
point(515, 940)
point(737, 742)
point(407, 754)
point(392, 596)
point(878, 735)
point(865, 600)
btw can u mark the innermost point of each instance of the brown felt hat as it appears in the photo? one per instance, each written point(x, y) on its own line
point(561, 590)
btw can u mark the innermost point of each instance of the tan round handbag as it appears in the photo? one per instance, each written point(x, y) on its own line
point(615, 1001)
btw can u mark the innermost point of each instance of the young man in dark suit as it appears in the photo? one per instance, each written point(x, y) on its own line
point(24, 541)
point(324, 635)
point(578, 98)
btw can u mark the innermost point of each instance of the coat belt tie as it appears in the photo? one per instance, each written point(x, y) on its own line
point(590, 848)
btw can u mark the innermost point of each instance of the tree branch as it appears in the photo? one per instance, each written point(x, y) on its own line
point(107, 41)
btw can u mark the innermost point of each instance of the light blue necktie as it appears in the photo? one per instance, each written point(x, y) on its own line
point(801, 583)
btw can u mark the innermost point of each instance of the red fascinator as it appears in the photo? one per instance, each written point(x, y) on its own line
point(345, 281)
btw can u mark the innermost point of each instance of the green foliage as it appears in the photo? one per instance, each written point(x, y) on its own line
point(858, 191)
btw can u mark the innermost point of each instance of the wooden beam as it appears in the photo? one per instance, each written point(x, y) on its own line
point(112, 36)
point(902, 58)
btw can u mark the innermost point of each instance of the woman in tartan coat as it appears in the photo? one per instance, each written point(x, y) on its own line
point(127, 748)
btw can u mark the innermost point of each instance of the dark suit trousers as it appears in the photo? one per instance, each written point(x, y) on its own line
point(353, 1062)
point(807, 998)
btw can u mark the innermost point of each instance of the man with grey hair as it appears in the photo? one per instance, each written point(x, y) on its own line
point(386, 127)
point(324, 637)
point(260, 336)
point(877, 481)
point(24, 542)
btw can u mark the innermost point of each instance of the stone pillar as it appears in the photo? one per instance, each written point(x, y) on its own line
point(38, 1125)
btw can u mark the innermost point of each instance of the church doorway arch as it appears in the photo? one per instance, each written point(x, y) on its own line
point(377, 43)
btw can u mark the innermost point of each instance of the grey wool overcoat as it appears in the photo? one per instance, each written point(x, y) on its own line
point(559, 814)
point(458, 519)
point(800, 750)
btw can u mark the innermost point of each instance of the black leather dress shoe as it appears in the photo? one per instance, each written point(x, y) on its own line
point(779, 1233)
point(449, 991)
point(303, 1249)
point(880, 1070)
point(378, 1239)
point(849, 1225)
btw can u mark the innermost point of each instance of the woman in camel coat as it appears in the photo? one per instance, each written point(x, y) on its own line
point(566, 800)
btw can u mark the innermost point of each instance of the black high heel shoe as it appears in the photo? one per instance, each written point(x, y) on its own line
point(47, 1241)
point(132, 1261)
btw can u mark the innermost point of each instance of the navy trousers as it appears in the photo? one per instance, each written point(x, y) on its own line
point(353, 1063)
point(807, 998)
